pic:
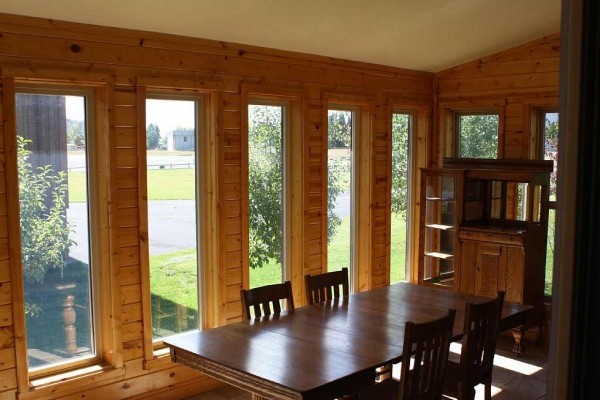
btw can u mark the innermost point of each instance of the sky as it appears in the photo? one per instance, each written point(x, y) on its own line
point(167, 114)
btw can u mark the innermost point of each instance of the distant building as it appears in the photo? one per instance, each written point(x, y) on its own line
point(181, 140)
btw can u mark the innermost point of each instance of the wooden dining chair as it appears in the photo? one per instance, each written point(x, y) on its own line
point(326, 286)
point(266, 300)
point(478, 348)
point(424, 357)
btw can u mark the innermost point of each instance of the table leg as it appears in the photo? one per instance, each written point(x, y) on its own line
point(518, 333)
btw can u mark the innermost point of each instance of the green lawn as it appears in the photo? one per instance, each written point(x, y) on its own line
point(550, 253)
point(177, 180)
point(398, 249)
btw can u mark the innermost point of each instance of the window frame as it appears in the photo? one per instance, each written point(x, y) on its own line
point(156, 352)
point(410, 183)
point(101, 283)
point(457, 137)
point(355, 201)
point(540, 139)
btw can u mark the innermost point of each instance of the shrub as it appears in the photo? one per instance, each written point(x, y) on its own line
point(45, 231)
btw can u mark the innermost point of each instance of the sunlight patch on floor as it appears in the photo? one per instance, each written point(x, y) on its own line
point(510, 364)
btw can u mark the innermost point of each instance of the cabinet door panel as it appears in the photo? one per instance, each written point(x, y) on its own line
point(515, 274)
point(468, 267)
point(489, 260)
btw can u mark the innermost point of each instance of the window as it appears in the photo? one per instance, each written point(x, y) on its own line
point(59, 227)
point(266, 192)
point(401, 161)
point(477, 135)
point(340, 185)
point(173, 229)
point(549, 123)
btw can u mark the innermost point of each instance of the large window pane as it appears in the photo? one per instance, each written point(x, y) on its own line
point(401, 127)
point(266, 194)
point(55, 230)
point(339, 193)
point(171, 135)
point(478, 135)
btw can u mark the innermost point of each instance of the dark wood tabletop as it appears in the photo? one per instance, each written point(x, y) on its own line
point(325, 350)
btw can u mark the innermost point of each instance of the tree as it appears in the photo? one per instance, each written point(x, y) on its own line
point(76, 132)
point(152, 136)
point(400, 133)
point(265, 178)
point(45, 231)
point(551, 150)
point(478, 136)
point(339, 128)
point(265, 185)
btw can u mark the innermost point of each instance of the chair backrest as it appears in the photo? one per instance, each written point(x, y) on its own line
point(266, 300)
point(326, 286)
point(428, 343)
point(479, 340)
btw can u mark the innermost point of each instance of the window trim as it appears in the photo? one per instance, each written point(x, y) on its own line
point(155, 354)
point(102, 285)
point(360, 213)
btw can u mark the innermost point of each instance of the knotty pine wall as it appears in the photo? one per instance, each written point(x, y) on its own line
point(516, 82)
point(122, 66)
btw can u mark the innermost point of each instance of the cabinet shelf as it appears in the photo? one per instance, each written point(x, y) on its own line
point(442, 199)
point(440, 255)
point(441, 227)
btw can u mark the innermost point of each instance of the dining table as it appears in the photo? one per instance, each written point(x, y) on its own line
point(325, 350)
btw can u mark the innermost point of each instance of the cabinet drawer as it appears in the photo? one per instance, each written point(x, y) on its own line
point(493, 237)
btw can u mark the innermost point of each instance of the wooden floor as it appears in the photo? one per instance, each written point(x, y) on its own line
point(515, 378)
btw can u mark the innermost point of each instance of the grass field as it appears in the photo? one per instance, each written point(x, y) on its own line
point(176, 180)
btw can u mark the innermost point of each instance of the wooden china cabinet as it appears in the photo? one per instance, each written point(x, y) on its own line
point(483, 228)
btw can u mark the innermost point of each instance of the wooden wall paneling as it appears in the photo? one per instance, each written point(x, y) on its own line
point(234, 244)
point(71, 30)
point(51, 48)
point(213, 207)
point(124, 118)
point(139, 150)
point(242, 112)
point(121, 60)
point(381, 184)
point(295, 197)
point(315, 172)
point(363, 230)
point(14, 336)
point(517, 76)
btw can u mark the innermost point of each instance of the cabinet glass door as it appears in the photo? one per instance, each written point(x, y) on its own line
point(439, 236)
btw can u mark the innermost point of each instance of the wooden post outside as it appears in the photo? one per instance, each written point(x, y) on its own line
point(69, 318)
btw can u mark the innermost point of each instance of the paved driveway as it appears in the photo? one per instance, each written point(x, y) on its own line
point(172, 225)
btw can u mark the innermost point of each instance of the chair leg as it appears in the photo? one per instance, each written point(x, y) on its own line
point(465, 393)
point(488, 389)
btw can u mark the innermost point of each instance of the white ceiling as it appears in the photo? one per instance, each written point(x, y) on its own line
point(427, 35)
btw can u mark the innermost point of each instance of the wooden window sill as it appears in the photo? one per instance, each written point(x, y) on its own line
point(161, 358)
point(71, 380)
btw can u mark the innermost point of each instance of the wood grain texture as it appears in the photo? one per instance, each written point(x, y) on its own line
point(319, 340)
point(523, 79)
point(119, 62)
